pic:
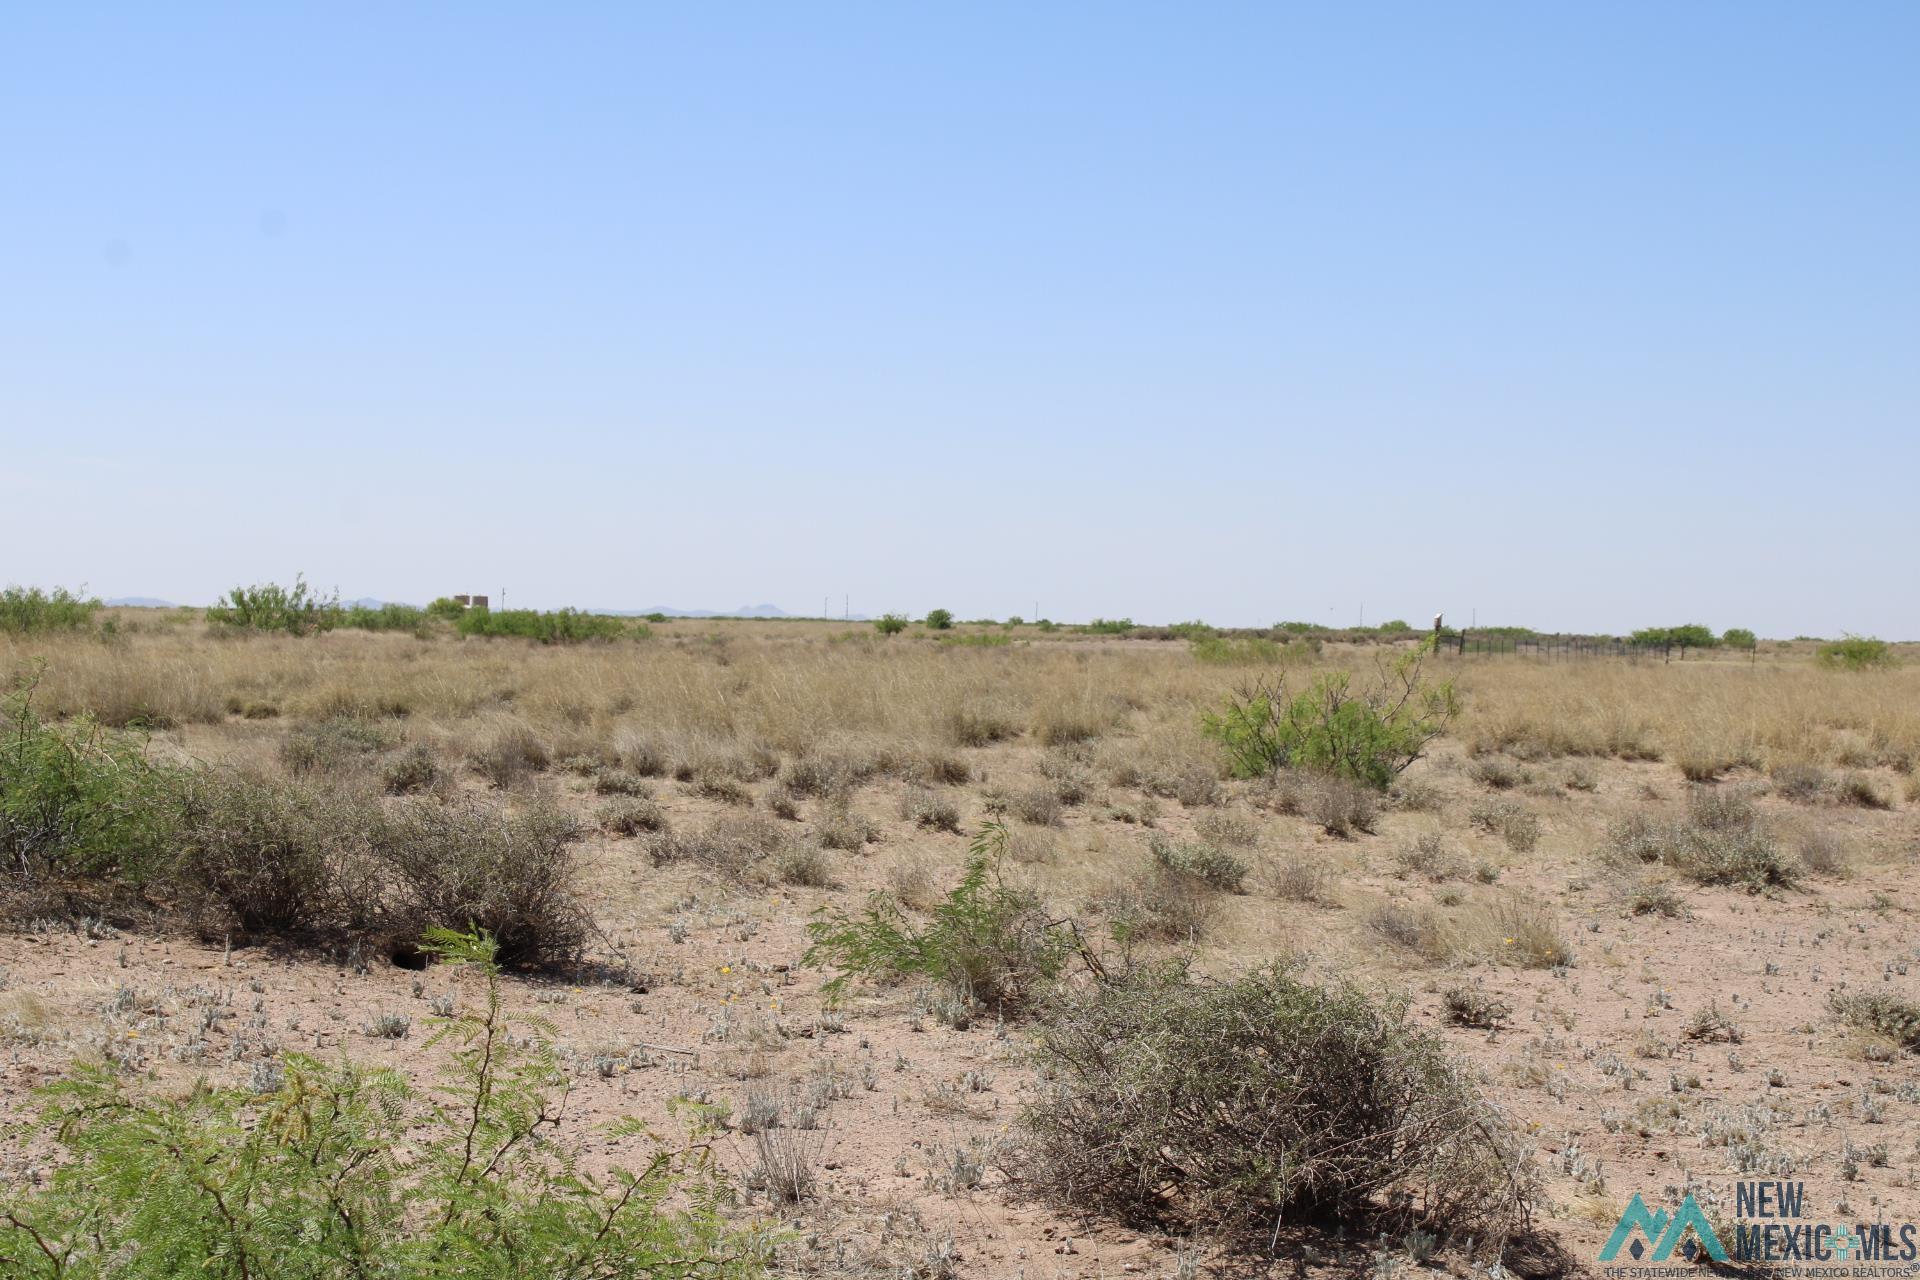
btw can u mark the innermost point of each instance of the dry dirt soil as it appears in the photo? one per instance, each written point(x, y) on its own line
point(1648, 1035)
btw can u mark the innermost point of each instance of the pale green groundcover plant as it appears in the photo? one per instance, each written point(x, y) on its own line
point(343, 1171)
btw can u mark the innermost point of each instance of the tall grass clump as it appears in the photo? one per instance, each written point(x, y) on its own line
point(30, 610)
point(344, 1171)
point(1182, 1103)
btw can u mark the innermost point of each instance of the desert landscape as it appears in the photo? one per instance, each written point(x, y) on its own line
point(963, 949)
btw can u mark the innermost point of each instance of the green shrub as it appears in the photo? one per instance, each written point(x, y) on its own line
point(1691, 635)
point(447, 609)
point(987, 941)
point(1882, 1013)
point(1738, 638)
point(27, 610)
point(269, 606)
point(939, 619)
point(977, 640)
point(386, 617)
point(563, 626)
point(1217, 650)
point(890, 624)
point(1366, 736)
point(1184, 1103)
point(1855, 653)
point(78, 799)
point(1721, 840)
point(1204, 862)
point(343, 1171)
point(1108, 626)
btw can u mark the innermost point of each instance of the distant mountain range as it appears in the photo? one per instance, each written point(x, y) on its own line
point(744, 611)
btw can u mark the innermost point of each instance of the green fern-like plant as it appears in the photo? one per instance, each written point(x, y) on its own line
point(988, 941)
point(344, 1173)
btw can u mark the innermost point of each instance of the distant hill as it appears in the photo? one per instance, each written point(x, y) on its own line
point(744, 611)
point(140, 602)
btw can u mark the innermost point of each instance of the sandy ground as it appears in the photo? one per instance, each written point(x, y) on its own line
point(1594, 1061)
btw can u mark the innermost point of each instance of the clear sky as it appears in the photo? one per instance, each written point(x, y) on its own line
point(1580, 316)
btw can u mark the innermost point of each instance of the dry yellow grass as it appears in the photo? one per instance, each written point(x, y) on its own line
point(716, 688)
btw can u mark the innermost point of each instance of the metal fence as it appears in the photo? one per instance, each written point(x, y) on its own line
point(1555, 648)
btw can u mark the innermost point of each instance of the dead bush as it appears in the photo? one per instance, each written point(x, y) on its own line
point(1037, 806)
point(1471, 1007)
point(1229, 828)
point(1177, 1102)
point(839, 827)
point(974, 726)
point(1497, 774)
point(1800, 783)
point(929, 809)
point(1432, 858)
point(619, 782)
point(631, 815)
point(1858, 789)
point(412, 770)
point(476, 866)
point(1300, 879)
point(730, 843)
point(333, 744)
point(1342, 806)
point(803, 864)
point(280, 858)
point(508, 753)
point(1530, 938)
point(1517, 828)
point(1823, 854)
point(1159, 904)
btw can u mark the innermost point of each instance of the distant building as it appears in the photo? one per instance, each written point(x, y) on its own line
point(471, 602)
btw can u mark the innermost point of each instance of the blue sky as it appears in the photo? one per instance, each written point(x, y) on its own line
point(1585, 317)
